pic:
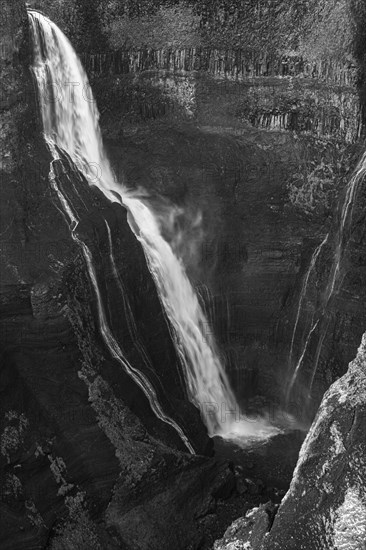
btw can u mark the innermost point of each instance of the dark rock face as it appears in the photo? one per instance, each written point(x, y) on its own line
point(181, 497)
point(278, 187)
point(341, 314)
point(85, 462)
point(130, 298)
point(325, 507)
point(312, 97)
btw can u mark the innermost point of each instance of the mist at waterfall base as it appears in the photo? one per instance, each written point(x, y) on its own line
point(70, 123)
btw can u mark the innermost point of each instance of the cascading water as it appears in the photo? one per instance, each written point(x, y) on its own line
point(346, 214)
point(334, 282)
point(321, 324)
point(205, 377)
point(70, 120)
point(105, 331)
point(303, 294)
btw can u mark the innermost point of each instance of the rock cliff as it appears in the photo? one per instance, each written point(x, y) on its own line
point(325, 506)
point(250, 156)
point(260, 155)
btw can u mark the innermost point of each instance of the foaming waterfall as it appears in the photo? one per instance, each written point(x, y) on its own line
point(70, 120)
point(69, 113)
point(205, 377)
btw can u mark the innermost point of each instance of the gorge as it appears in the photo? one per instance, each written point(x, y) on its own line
point(173, 318)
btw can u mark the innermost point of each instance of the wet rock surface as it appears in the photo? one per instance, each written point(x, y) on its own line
point(325, 506)
point(254, 152)
point(263, 466)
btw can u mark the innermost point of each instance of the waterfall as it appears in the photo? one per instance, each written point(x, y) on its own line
point(108, 338)
point(70, 121)
point(69, 113)
point(347, 212)
point(303, 294)
point(205, 377)
point(304, 289)
point(334, 282)
point(299, 363)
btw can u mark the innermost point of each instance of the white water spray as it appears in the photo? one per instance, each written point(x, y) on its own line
point(70, 120)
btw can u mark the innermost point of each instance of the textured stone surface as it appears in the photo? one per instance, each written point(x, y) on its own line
point(325, 507)
point(248, 532)
point(256, 166)
point(247, 245)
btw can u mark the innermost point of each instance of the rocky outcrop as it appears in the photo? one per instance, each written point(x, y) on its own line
point(285, 97)
point(247, 533)
point(251, 207)
point(333, 312)
point(85, 462)
point(17, 103)
point(134, 319)
point(325, 507)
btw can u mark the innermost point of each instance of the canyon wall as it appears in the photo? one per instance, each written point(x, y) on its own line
point(255, 156)
point(258, 148)
point(253, 137)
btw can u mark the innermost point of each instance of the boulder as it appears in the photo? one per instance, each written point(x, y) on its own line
point(247, 533)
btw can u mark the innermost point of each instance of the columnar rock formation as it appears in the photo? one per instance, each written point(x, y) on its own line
point(313, 97)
